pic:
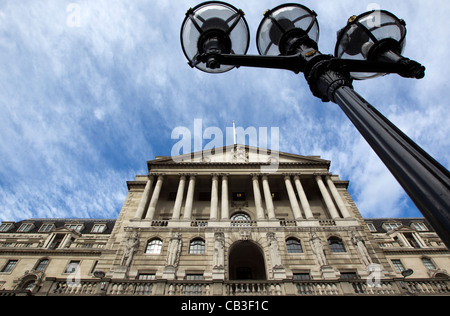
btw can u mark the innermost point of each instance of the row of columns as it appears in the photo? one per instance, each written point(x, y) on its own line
point(260, 214)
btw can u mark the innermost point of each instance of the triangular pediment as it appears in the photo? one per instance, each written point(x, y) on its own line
point(239, 154)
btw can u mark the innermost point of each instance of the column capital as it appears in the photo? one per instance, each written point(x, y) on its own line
point(157, 174)
point(319, 174)
point(255, 175)
point(215, 175)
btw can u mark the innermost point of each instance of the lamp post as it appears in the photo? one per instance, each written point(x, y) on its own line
point(370, 45)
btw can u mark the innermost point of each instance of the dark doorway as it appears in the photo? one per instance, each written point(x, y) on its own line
point(246, 262)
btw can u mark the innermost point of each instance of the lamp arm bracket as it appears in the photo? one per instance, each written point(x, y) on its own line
point(294, 63)
point(404, 67)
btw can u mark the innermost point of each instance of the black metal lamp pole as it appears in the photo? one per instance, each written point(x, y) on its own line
point(292, 30)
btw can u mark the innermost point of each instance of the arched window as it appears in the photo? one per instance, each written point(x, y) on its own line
point(197, 246)
point(336, 244)
point(154, 246)
point(293, 245)
point(240, 219)
point(41, 265)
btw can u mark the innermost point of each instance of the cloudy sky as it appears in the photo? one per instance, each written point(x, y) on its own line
point(91, 90)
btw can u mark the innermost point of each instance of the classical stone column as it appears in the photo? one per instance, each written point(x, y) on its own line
point(189, 198)
point(225, 205)
point(268, 197)
point(303, 199)
point(144, 199)
point(179, 198)
point(337, 197)
point(326, 196)
point(214, 196)
point(257, 195)
point(292, 198)
point(155, 197)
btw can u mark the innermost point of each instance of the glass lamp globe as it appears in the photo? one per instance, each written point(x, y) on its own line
point(369, 34)
point(283, 24)
point(213, 27)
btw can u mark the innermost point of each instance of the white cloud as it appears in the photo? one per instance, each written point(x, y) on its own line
point(83, 108)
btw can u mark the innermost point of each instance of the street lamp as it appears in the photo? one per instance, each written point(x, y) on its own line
point(369, 45)
point(213, 28)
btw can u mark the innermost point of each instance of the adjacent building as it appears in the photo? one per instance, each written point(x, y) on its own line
point(236, 220)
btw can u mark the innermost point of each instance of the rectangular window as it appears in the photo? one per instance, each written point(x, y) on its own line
point(72, 266)
point(371, 227)
point(9, 266)
point(5, 227)
point(193, 277)
point(75, 227)
point(25, 227)
point(45, 228)
point(301, 276)
point(238, 196)
point(147, 276)
point(398, 266)
point(348, 276)
point(421, 227)
point(428, 263)
point(98, 228)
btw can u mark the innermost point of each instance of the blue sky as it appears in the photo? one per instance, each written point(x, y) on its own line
point(82, 108)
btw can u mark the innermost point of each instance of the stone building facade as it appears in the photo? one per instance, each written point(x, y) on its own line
point(233, 221)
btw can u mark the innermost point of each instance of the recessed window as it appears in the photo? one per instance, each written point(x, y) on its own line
point(197, 246)
point(46, 228)
point(75, 227)
point(147, 276)
point(238, 196)
point(98, 228)
point(336, 244)
point(9, 266)
point(371, 227)
point(428, 263)
point(25, 227)
point(72, 266)
point(390, 226)
point(301, 276)
point(154, 246)
point(419, 226)
point(348, 276)
point(398, 266)
point(293, 245)
point(42, 265)
point(240, 220)
point(240, 217)
point(5, 227)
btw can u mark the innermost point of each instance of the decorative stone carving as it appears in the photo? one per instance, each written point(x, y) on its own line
point(361, 247)
point(219, 251)
point(317, 248)
point(173, 255)
point(131, 246)
point(274, 251)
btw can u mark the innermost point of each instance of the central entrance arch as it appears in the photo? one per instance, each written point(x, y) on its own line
point(246, 261)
